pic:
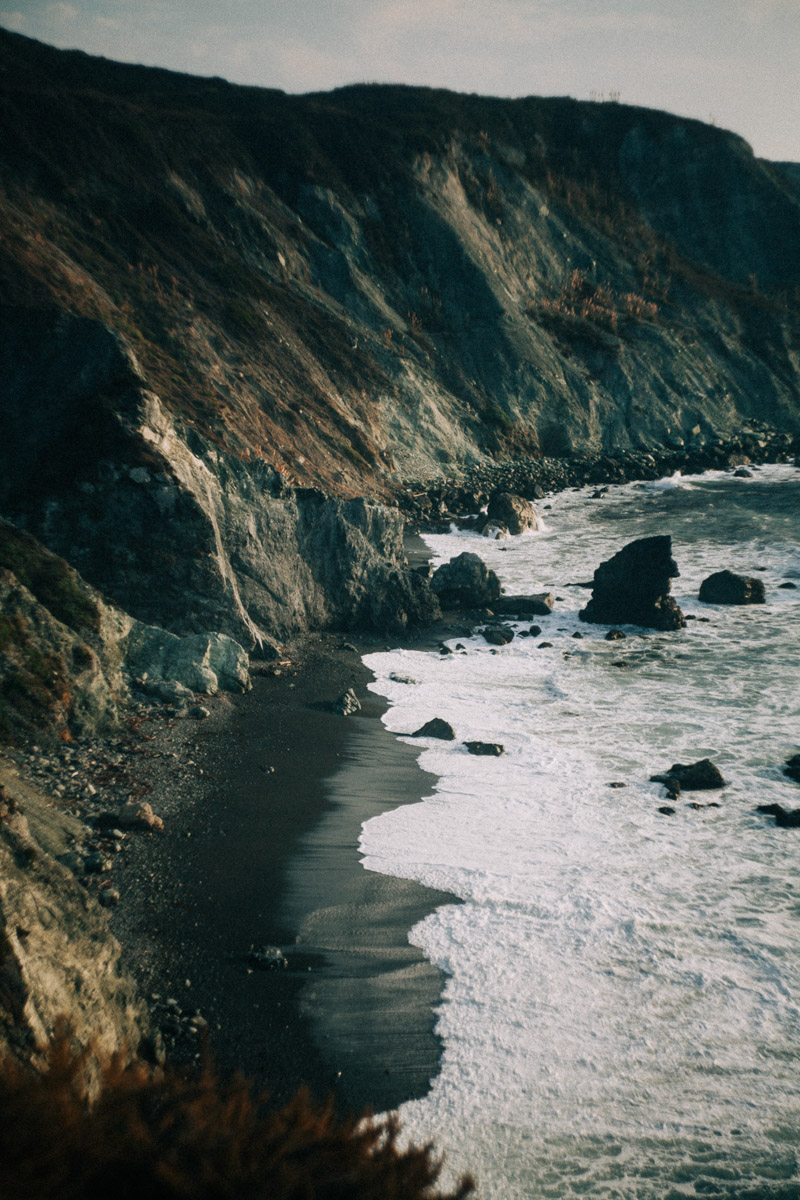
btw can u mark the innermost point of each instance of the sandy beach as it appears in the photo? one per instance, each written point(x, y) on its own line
point(263, 803)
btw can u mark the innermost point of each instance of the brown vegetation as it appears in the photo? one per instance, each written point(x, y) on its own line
point(156, 1133)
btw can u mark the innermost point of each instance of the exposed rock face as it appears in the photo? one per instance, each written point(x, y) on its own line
point(465, 582)
point(200, 662)
point(194, 540)
point(57, 955)
point(726, 587)
point(514, 512)
point(320, 335)
point(633, 587)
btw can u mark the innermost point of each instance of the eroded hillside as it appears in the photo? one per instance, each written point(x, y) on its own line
point(384, 282)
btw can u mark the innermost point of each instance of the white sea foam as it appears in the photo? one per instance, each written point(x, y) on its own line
point(621, 1014)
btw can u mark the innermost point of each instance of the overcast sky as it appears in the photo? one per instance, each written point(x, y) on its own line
point(733, 62)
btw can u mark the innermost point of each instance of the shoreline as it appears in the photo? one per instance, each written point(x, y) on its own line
point(260, 849)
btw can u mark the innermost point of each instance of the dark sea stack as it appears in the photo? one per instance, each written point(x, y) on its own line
point(792, 768)
point(785, 818)
point(632, 588)
point(692, 777)
point(512, 511)
point(436, 728)
point(726, 587)
point(465, 582)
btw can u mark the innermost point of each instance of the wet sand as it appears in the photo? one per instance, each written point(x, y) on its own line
point(260, 849)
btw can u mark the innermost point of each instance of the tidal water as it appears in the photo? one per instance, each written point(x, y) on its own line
point(621, 1016)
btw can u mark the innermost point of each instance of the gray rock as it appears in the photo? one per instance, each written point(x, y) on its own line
point(346, 704)
point(436, 728)
point(465, 582)
point(726, 587)
point(512, 511)
point(633, 587)
point(538, 605)
point(200, 662)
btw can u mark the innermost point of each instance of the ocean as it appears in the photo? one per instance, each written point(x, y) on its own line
point(621, 1013)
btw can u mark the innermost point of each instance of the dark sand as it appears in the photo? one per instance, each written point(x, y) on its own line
point(260, 849)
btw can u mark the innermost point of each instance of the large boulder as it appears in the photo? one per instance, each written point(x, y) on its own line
point(726, 587)
point(633, 587)
point(465, 582)
point(516, 513)
point(540, 604)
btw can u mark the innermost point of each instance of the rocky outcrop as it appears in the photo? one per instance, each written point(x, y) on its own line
point(691, 777)
point(435, 728)
point(514, 513)
point(540, 604)
point(200, 662)
point(182, 536)
point(726, 587)
point(57, 956)
point(633, 587)
point(465, 582)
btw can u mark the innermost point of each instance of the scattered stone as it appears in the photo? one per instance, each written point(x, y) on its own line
point(787, 585)
point(266, 958)
point(534, 631)
point(786, 818)
point(199, 712)
point(726, 587)
point(108, 897)
point(538, 605)
point(633, 587)
point(96, 863)
point(465, 582)
point(544, 646)
point(136, 815)
point(498, 635)
point(666, 810)
point(445, 649)
point(577, 634)
point(743, 473)
point(436, 728)
point(512, 511)
point(403, 678)
point(615, 635)
point(616, 784)
point(493, 749)
point(346, 704)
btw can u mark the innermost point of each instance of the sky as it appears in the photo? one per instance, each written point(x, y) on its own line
point(733, 63)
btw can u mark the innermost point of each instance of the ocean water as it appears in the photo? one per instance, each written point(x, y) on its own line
point(621, 1016)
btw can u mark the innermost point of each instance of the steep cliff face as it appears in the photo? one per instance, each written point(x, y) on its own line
point(386, 281)
point(218, 300)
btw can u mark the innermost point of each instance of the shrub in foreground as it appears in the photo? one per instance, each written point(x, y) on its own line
point(137, 1131)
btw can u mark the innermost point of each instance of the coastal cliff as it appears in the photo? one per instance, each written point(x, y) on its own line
point(235, 324)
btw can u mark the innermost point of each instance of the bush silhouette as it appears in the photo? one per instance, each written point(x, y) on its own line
point(82, 1129)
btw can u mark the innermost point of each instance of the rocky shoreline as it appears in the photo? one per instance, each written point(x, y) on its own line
point(142, 812)
point(427, 503)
